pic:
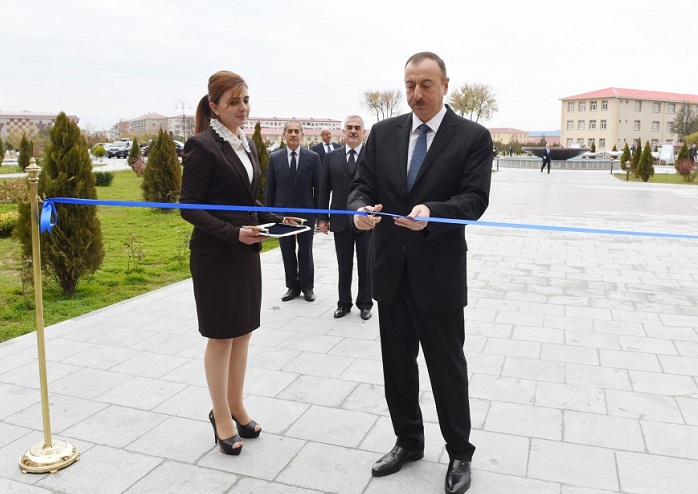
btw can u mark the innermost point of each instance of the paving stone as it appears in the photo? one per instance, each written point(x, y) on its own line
point(524, 420)
point(664, 384)
point(332, 426)
point(507, 389)
point(643, 406)
point(175, 478)
point(318, 391)
point(534, 369)
point(671, 439)
point(593, 375)
point(514, 348)
point(603, 431)
point(640, 473)
point(550, 461)
point(629, 360)
point(571, 397)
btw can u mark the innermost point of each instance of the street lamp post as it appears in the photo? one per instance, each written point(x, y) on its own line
point(183, 104)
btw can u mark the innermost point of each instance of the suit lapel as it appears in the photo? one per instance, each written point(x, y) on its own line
point(442, 137)
point(236, 163)
point(403, 143)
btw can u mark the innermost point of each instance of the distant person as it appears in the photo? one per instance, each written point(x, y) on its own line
point(221, 166)
point(338, 171)
point(326, 145)
point(693, 153)
point(293, 181)
point(511, 151)
point(546, 158)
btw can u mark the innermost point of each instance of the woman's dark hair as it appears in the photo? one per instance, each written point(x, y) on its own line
point(218, 83)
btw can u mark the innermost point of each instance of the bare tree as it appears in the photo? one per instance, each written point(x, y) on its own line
point(384, 104)
point(685, 122)
point(475, 101)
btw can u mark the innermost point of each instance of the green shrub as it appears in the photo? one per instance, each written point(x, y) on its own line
point(686, 169)
point(13, 190)
point(99, 152)
point(162, 178)
point(8, 222)
point(103, 179)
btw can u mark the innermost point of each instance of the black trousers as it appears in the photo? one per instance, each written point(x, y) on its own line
point(545, 163)
point(344, 242)
point(300, 270)
point(403, 327)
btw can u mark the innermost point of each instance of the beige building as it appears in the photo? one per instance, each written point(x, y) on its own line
point(507, 135)
point(272, 129)
point(27, 122)
point(614, 116)
point(181, 125)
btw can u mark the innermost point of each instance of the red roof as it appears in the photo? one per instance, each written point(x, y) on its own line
point(506, 129)
point(617, 92)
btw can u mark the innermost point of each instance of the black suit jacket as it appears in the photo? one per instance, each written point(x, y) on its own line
point(281, 191)
point(335, 180)
point(214, 174)
point(546, 156)
point(321, 151)
point(453, 182)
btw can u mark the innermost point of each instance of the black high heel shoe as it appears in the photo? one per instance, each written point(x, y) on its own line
point(225, 445)
point(247, 431)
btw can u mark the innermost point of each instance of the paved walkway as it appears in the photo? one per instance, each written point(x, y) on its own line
point(582, 349)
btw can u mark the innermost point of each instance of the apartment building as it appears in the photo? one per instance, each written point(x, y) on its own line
point(27, 122)
point(507, 135)
point(614, 116)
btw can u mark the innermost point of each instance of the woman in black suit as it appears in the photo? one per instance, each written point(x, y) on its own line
point(221, 166)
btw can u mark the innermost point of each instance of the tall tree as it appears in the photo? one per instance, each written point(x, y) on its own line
point(384, 104)
point(135, 153)
point(162, 178)
point(26, 151)
point(636, 156)
point(645, 167)
point(625, 157)
point(263, 159)
point(2, 152)
point(474, 101)
point(685, 122)
point(74, 248)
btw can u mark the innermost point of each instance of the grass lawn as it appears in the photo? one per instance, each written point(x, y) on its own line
point(7, 169)
point(660, 178)
point(162, 238)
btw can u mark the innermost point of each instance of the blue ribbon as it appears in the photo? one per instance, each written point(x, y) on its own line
point(49, 217)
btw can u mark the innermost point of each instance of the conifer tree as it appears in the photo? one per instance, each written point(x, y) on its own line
point(614, 148)
point(162, 178)
point(636, 157)
point(2, 152)
point(26, 150)
point(645, 166)
point(135, 153)
point(73, 249)
point(625, 157)
point(263, 160)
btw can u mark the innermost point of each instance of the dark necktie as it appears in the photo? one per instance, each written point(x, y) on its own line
point(420, 151)
point(329, 148)
point(351, 161)
point(293, 166)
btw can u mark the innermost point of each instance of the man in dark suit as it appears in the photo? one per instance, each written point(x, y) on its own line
point(546, 158)
point(338, 171)
point(293, 181)
point(429, 162)
point(326, 145)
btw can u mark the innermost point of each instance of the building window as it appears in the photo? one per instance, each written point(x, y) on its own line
point(655, 126)
point(636, 125)
point(602, 143)
point(569, 142)
point(638, 106)
point(592, 124)
point(671, 108)
point(580, 125)
point(603, 124)
point(670, 126)
point(570, 125)
point(580, 141)
point(604, 105)
point(654, 143)
point(570, 106)
point(592, 142)
point(656, 107)
point(592, 106)
point(582, 106)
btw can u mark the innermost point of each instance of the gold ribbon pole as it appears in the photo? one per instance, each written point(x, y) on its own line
point(49, 456)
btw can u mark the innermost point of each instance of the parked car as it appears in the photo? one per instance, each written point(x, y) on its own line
point(119, 149)
point(179, 147)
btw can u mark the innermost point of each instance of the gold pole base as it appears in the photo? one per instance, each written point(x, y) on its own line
point(45, 459)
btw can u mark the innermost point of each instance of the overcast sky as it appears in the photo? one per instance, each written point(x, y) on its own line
point(110, 60)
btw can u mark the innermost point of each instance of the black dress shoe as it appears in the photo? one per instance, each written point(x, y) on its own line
point(290, 294)
point(310, 296)
point(394, 460)
point(341, 312)
point(365, 314)
point(457, 477)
